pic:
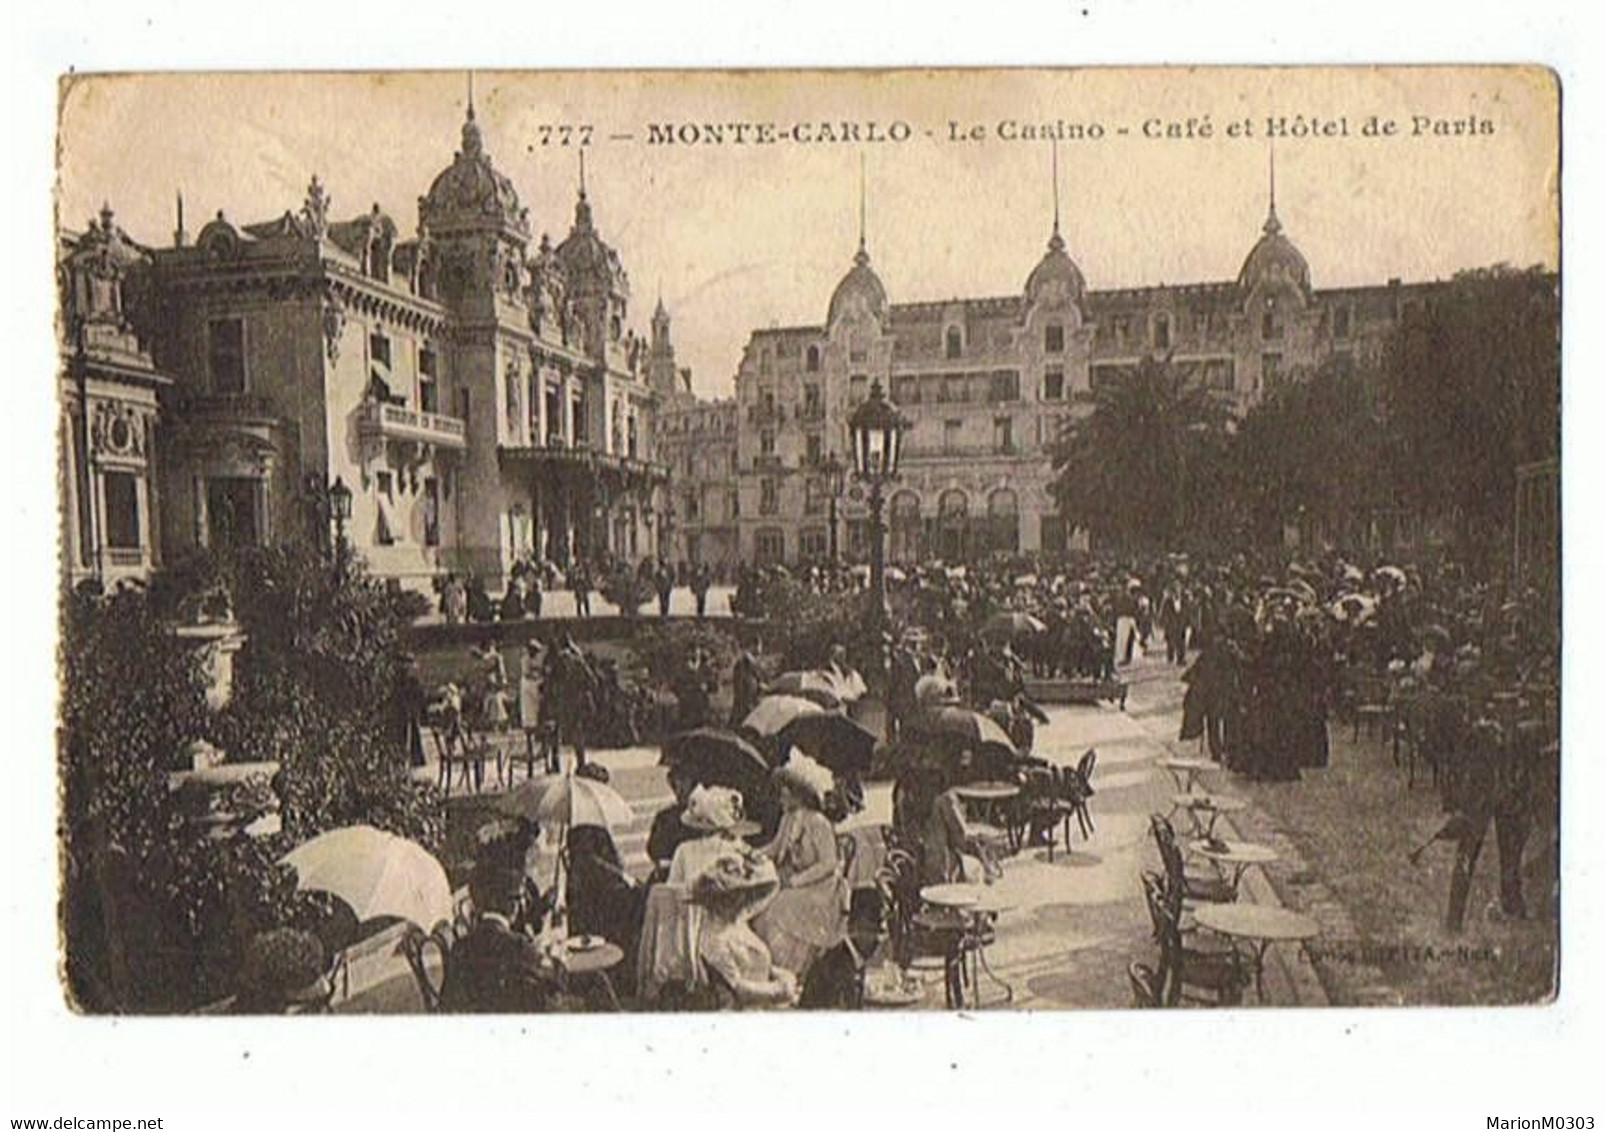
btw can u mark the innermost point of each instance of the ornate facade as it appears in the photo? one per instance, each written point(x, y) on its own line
point(697, 443)
point(481, 399)
point(989, 383)
point(109, 397)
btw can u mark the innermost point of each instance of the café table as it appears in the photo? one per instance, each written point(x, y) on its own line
point(1204, 810)
point(979, 906)
point(988, 797)
point(1258, 926)
point(1236, 855)
point(1185, 772)
point(577, 962)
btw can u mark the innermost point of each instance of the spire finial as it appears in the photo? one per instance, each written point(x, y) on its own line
point(470, 96)
point(863, 250)
point(582, 173)
point(1272, 224)
point(178, 232)
point(1056, 241)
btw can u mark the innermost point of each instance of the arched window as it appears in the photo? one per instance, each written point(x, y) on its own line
point(955, 342)
point(904, 528)
point(813, 359)
point(1003, 519)
point(952, 519)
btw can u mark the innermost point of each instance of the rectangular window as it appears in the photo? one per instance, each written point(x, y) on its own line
point(769, 497)
point(1122, 327)
point(428, 390)
point(431, 511)
point(1005, 386)
point(857, 388)
point(1340, 322)
point(766, 442)
point(813, 402)
point(226, 354)
point(733, 504)
point(857, 354)
point(812, 544)
point(770, 545)
point(1220, 373)
point(464, 403)
point(1162, 332)
point(951, 431)
point(1270, 324)
point(1053, 339)
point(379, 349)
point(1270, 371)
point(815, 450)
point(813, 497)
point(906, 389)
point(1003, 434)
point(122, 511)
point(1053, 385)
point(955, 342)
point(581, 433)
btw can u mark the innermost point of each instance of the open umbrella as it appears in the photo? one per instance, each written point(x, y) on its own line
point(838, 741)
point(376, 873)
point(933, 690)
point(717, 757)
point(895, 574)
point(567, 800)
point(1393, 574)
point(961, 726)
point(810, 684)
point(1011, 625)
point(1026, 581)
point(773, 713)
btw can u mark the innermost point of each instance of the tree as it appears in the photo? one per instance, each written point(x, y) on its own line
point(154, 911)
point(1129, 471)
point(1472, 382)
point(1312, 453)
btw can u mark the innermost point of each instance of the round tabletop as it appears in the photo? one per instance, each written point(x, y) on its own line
point(1257, 921)
point(1186, 764)
point(588, 960)
point(1236, 852)
point(952, 895)
point(987, 791)
point(1222, 803)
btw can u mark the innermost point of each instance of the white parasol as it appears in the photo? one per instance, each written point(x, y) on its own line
point(376, 873)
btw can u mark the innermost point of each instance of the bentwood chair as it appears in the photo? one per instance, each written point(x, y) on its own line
point(1145, 990)
point(1186, 974)
point(1192, 887)
point(415, 946)
point(1081, 793)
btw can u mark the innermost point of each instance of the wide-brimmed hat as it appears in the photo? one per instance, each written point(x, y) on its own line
point(807, 776)
point(712, 809)
point(284, 965)
point(737, 879)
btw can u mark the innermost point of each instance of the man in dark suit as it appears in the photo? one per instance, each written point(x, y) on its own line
point(496, 969)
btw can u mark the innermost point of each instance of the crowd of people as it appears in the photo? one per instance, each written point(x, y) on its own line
point(464, 598)
point(1268, 650)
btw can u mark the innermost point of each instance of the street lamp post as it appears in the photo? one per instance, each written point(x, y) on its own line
point(340, 512)
point(877, 429)
point(835, 483)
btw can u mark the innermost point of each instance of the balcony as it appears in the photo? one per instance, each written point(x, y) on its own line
point(960, 451)
point(762, 414)
point(810, 414)
point(398, 422)
point(579, 461)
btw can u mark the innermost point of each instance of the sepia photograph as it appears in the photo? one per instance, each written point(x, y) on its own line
point(914, 540)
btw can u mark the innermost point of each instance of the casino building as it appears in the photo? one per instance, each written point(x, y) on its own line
point(481, 396)
point(988, 383)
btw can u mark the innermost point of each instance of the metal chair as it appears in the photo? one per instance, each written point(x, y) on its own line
point(1184, 971)
point(415, 946)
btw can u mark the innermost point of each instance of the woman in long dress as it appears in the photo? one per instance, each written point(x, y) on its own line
point(809, 915)
point(730, 890)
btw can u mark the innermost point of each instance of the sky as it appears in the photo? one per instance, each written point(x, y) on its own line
point(737, 236)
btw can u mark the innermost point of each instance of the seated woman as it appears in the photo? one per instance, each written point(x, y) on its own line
point(712, 814)
point(809, 916)
point(950, 851)
point(603, 900)
point(733, 888)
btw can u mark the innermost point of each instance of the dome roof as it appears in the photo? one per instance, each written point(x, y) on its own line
point(1274, 259)
point(860, 287)
point(586, 258)
point(1056, 275)
point(471, 191)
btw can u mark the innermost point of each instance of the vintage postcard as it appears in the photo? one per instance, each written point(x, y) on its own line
point(905, 540)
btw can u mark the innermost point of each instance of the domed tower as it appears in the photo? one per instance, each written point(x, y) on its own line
point(1056, 281)
point(860, 294)
point(1274, 266)
point(598, 287)
point(476, 224)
